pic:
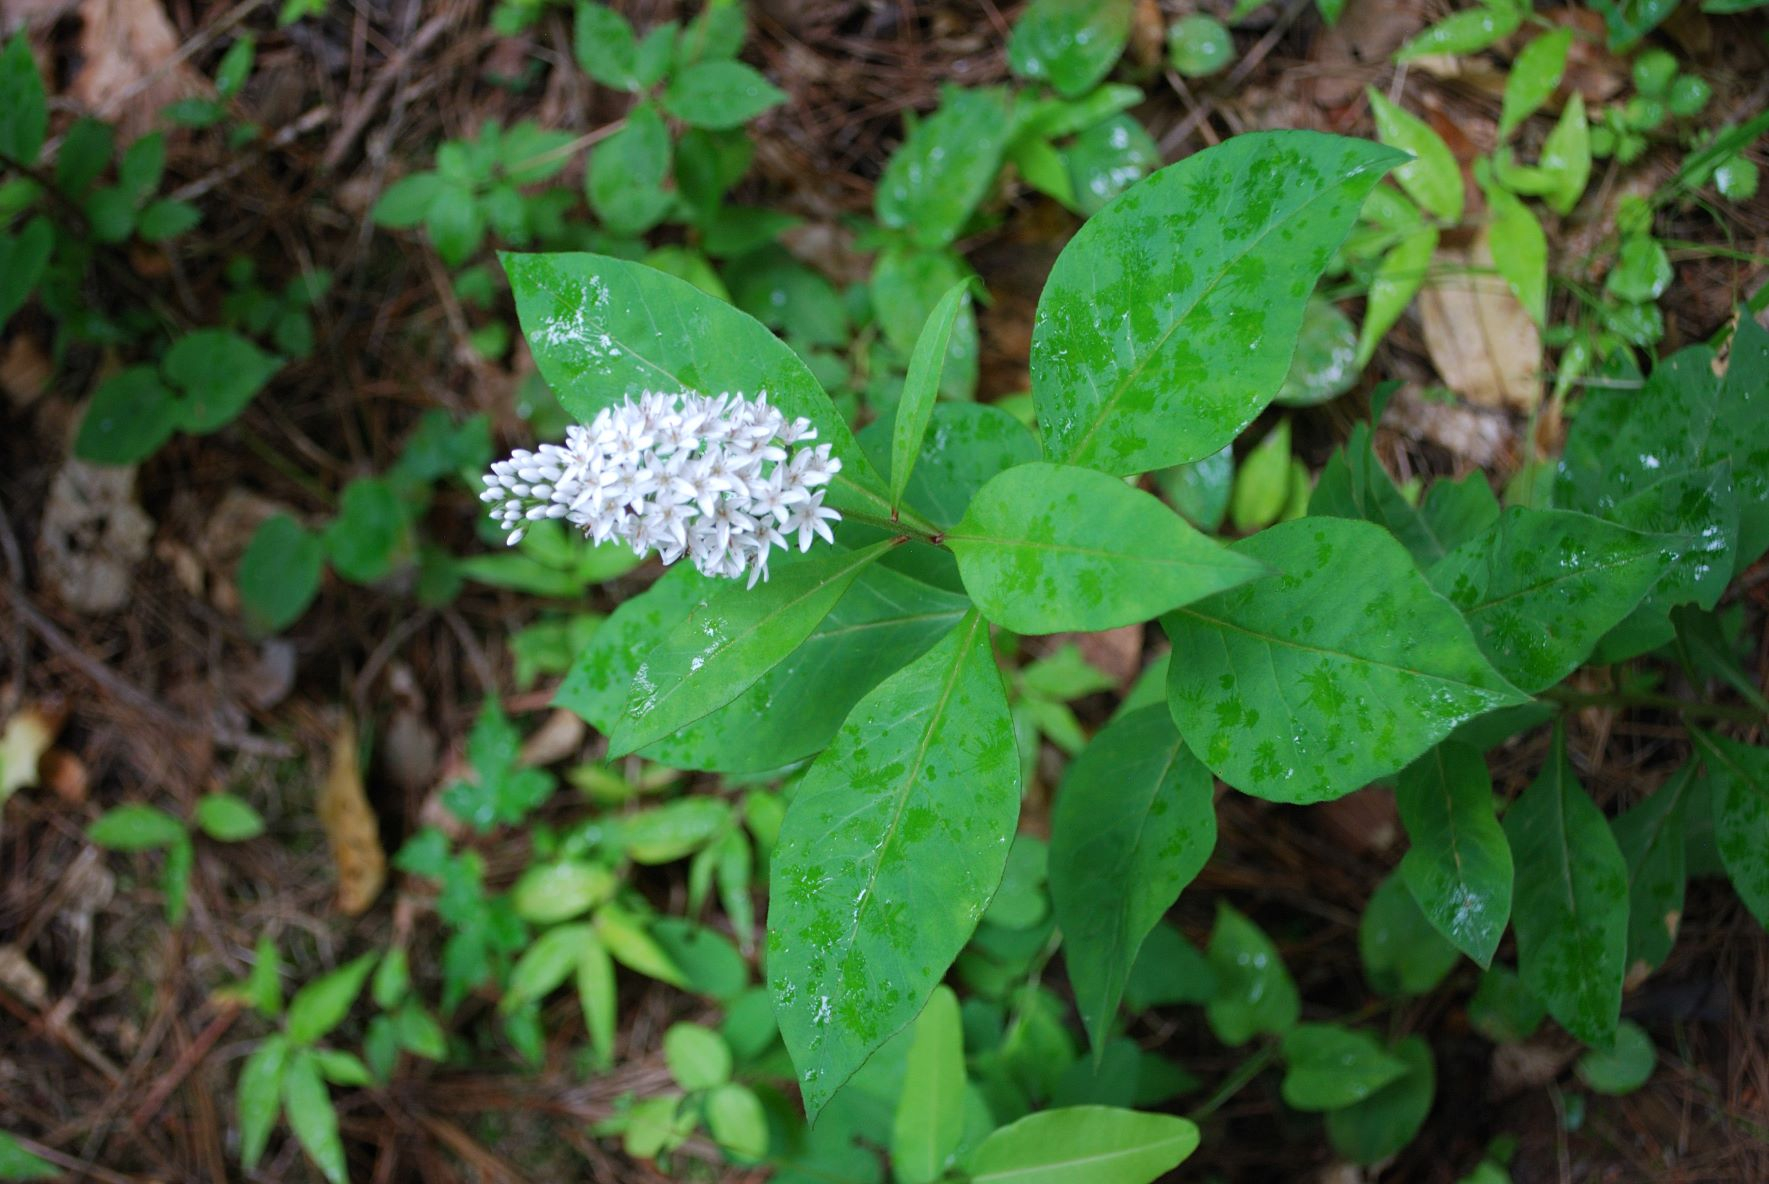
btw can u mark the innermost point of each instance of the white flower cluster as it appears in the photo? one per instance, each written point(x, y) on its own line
point(716, 479)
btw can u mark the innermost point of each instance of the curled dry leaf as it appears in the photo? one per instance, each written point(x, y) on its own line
point(351, 827)
point(1351, 54)
point(93, 536)
point(1483, 343)
point(128, 72)
point(27, 736)
point(22, 979)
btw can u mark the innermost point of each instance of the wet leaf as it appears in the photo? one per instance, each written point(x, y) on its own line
point(1739, 774)
point(922, 386)
point(893, 843)
point(1169, 319)
point(1046, 548)
point(1651, 838)
point(1083, 1145)
point(1571, 907)
point(1384, 1123)
point(1071, 44)
point(1458, 868)
point(1324, 366)
point(1255, 994)
point(1432, 178)
point(929, 1120)
point(1200, 490)
point(1305, 686)
point(1134, 822)
point(1533, 78)
point(1262, 482)
point(1465, 32)
point(939, 175)
point(1329, 1067)
point(1355, 485)
point(1106, 159)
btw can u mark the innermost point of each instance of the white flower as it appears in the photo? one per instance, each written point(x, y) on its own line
point(715, 479)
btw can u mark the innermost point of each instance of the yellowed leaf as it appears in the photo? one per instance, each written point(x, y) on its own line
point(1484, 345)
point(351, 827)
point(26, 737)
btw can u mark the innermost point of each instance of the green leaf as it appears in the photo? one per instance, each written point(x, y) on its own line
point(309, 1108)
point(1046, 548)
point(929, 1121)
point(1642, 270)
point(1262, 482)
point(342, 1068)
point(175, 880)
point(1630, 20)
point(1325, 363)
point(406, 203)
point(1355, 485)
point(1402, 952)
point(1198, 45)
point(720, 95)
point(141, 167)
point(1469, 31)
point(23, 258)
point(549, 961)
point(217, 372)
point(1651, 839)
point(596, 996)
point(1071, 44)
point(1432, 178)
point(166, 219)
point(455, 222)
point(627, 940)
point(1105, 160)
point(893, 843)
point(1386, 1121)
point(1083, 1145)
point(548, 893)
point(936, 179)
point(366, 536)
point(18, 1164)
point(503, 790)
point(227, 818)
point(1542, 587)
point(131, 414)
point(85, 150)
point(1329, 1067)
point(1623, 1069)
point(1458, 868)
point(907, 285)
point(1345, 668)
point(1398, 279)
point(737, 1122)
point(1457, 512)
point(605, 47)
point(258, 1098)
point(728, 642)
point(24, 112)
point(1255, 994)
point(1534, 76)
point(698, 1058)
point(1503, 1009)
point(601, 329)
point(1169, 319)
point(967, 445)
point(322, 1004)
point(1566, 157)
point(1200, 490)
point(1571, 906)
point(1741, 433)
point(1133, 823)
point(135, 827)
point(280, 572)
point(625, 174)
point(922, 386)
point(1520, 250)
point(1739, 775)
point(674, 830)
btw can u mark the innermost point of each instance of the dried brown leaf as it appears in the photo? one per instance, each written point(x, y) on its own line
point(351, 828)
point(1485, 347)
point(93, 535)
point(128, 71)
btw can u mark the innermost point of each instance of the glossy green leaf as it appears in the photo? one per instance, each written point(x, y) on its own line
point(547, 893)
point(1386, 1121)
point(1533, 78)
point(1325, 363)
point(258, 1098)
point(1741, 434)
point(1071, 44)
point(908, 283)
point(720, 95)
point(728, 642)
point(1458, 867)
point(893, 843)
point(131, 414)
point(1566, 157)
point(1622, 1069)
point(1571, 904)
point(1255, 994)
point(1133, 823)
point(1200, 490)
point(1542, 587)
point(1169, 319)
point(605, 46)
point(602, 329)
point(1329, 1067)
point(937, 178)
point(1046, 548)
point(626, 938)
point(625, 174)
point(1739, 774)
point(1344, 668)
point(1083, 1145)
point(548, 962)
point(1432, 178)
point(322, 1004)
point(1520, 250)
point(1630, 20)
point(308, 1105)
point(674, 830)
point(24, 113)
point(929, 1121)
point(1651, 838)
point(967, 445)
point(1262, 482)
point(1403, 953)
point(1468, 31)
point(1458, 512)
point(1198, 45)
point(135, 827)
point(227, 818)
point(1106, 159)
point(1398, 279)
point(280, 572)
point(922, 386)
point(342, 1068)
point(1642, 270)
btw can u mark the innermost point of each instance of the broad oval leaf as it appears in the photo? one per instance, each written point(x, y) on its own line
point(729, 641)
point(720, 95)
point(1403, 954)
point(1542, 587)
point(1083, 1145)
point(1134, 822)
point(601, 329)
point(929, 1122)
point(1046, 548)
point(1254, 991)
point(1739, 774)
point(1458, 868)
point(892, 845)
point(1071, 44)
point(1345, 668)
point(1571, 906)
point(967, 444)
point(1386, 1121)
point(936, 179)
point(1169, 319)
point(1329, 1067)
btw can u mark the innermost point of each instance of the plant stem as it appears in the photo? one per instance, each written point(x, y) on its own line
point(1250, 1068)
